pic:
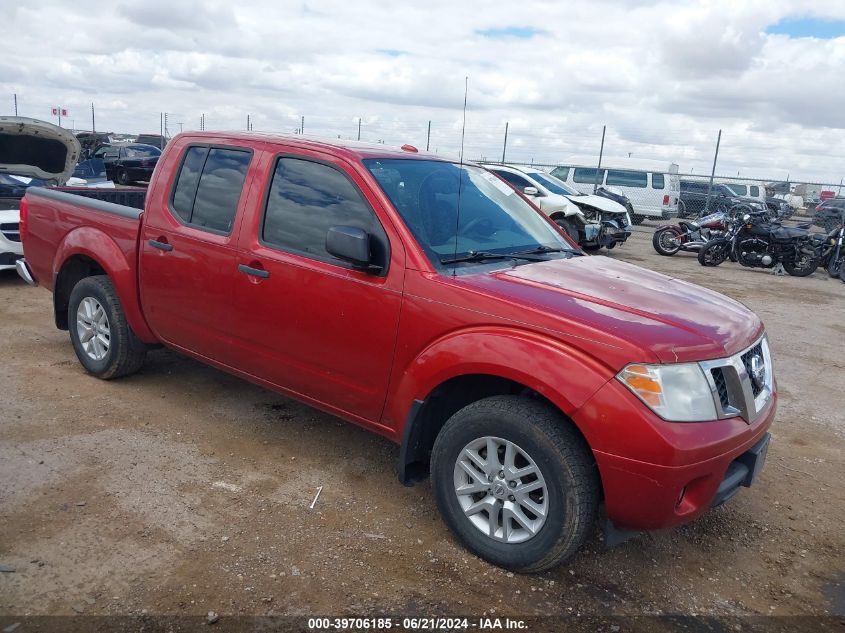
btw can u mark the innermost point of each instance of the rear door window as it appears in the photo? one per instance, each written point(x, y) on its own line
point(588, 175)
point(754, 190)
point(658, 181)
point(209, 187)
point(625, 178)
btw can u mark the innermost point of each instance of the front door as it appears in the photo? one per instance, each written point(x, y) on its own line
point(310, 323)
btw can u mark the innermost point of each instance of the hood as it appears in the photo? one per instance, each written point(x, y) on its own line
point(599, 303)
point(37, 149)
point(603, 204)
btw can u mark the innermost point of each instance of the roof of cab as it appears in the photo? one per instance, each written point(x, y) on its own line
point(338, 147)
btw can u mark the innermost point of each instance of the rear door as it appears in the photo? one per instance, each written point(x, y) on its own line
point(188, 246)
point(309, 322)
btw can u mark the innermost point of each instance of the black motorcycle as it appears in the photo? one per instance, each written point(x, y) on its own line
point(833, 249)
point(757, 242)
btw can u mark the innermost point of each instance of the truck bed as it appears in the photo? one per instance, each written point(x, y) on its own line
point(64, 223)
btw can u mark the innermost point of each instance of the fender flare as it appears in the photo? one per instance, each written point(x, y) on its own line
point(100, 247)
point(557, 371)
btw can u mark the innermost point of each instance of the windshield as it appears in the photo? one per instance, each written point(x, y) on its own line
point(492, 219)
point(553, 184)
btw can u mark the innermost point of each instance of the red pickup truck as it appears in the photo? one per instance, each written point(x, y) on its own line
point(430, 302)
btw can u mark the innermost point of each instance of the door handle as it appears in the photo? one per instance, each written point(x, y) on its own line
point(164, 246)
point(255, 272)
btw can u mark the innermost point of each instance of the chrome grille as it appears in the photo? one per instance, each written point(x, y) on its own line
point(743, 383)
point(721, 387)
point(11, 231)
point(757, 350)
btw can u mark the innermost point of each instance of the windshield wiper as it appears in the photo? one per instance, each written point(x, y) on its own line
point(542, 250)
point(477, 256)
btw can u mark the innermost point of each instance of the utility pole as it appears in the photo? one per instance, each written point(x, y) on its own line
point(428, 137)
point(16, 104)
point(247, 123)
point(601, 153)
point(302, 125)
point(160, 129)
point(93, 127)
point(202, 122)
point(505, 145)
point(179, 123)
point(712, 174)
point(359, 128)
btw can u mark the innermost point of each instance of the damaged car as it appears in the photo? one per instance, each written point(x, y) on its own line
point(592, 221)
point(32, 154)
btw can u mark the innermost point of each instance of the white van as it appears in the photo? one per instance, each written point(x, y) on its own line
point(653, 187)
point(746, 189)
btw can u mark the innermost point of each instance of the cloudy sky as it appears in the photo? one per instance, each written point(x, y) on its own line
point(663, 76)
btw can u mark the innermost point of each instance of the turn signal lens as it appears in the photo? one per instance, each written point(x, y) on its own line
point(678, 393)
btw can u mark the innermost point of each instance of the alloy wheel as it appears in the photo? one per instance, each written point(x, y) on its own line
point(501, 490)
point(92, 326)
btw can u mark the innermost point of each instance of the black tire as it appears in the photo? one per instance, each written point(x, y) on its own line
point(657, 241)
point(714, 252)
point(610, 246)
point(682, 209)
point(809, 267)
point(569, 228)
point(125, 354)
point(834, 267)
point(560, 454)
point(123, 177)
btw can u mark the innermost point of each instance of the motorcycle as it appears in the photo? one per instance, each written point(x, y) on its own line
point(833, 249)
point(757, 242)
point(688, 235)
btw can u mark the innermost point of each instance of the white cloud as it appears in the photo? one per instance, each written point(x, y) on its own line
point(663, 76)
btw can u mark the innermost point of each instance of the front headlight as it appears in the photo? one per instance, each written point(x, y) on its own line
point(678, 393)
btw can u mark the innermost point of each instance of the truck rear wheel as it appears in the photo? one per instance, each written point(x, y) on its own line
point(515, 482)
point(101, 337)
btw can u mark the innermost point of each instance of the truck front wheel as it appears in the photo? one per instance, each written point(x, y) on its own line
point(515, 482)
point(101, 337)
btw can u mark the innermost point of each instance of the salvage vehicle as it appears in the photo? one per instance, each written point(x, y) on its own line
point(694, 197)
point(128, 163)
point(592, 221)
point(32, 154)
point(428, 301)
point(651, 186)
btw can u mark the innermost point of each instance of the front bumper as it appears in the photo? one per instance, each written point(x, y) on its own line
point(24, 272)
point(657, 474)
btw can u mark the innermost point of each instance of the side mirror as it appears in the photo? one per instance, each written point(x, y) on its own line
point(530, 191)
point(350, 244)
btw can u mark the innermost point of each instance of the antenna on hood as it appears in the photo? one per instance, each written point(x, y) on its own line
point(460, 172)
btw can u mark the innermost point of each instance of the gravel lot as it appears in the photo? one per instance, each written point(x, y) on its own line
point(182, 490)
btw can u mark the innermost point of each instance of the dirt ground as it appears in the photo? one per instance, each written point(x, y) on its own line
point(182, 490)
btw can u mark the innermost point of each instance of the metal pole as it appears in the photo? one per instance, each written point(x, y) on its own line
point(59, 110)
point(302, 125)
point(428, 137)
point(160, 128)
point(601, 154)
point(505, 145)
point(712, 174)
point(93, 127)
point(359, 128)
point(16, 104)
